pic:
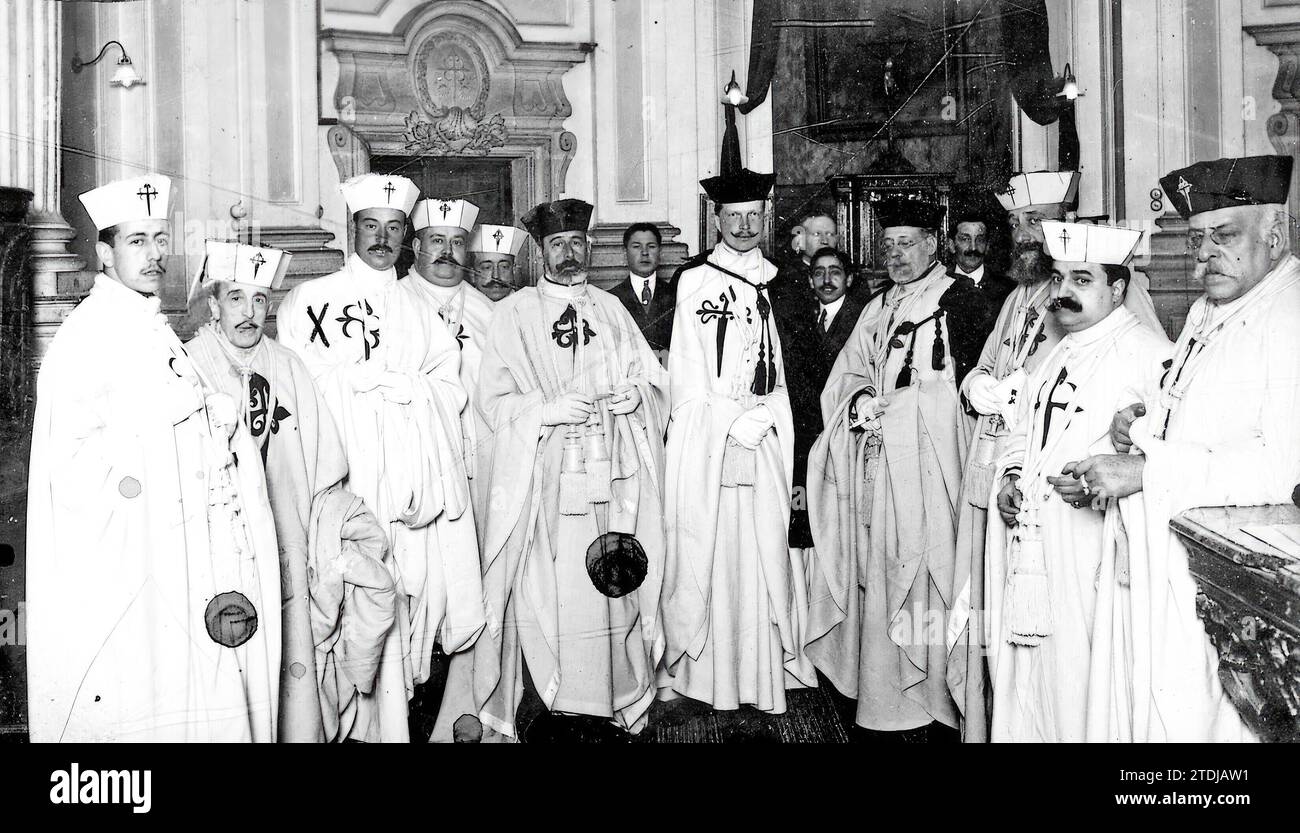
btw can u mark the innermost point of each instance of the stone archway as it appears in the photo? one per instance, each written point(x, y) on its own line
point(456, 79)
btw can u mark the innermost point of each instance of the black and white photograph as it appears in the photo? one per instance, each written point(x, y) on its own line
point(650, 372)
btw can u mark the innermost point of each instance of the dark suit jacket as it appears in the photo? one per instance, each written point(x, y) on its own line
point(995, 287)
point(655, 320)
point(833, 340)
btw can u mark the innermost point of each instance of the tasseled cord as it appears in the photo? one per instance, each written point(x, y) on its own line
point(1028, 602)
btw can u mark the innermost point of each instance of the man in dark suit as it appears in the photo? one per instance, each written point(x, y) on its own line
point(649, 300)
point(969, 245)
point(831, 276)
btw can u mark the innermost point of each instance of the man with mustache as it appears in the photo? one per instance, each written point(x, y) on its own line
point(389, 371)
point(1021, 336)
point(1219, 430)
point(496, 253)
point(649, 300)
point(573, 543)
point(304, 459)
point(1044, 551)
point(734, 594)
point(969, 244)
point(883, 485)
point(153, 583)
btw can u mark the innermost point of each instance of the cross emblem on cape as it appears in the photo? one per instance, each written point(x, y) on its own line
point(1185, 189)
point(565, 330)
point(147, 193)
point(1053, 404)
point(388, 191)
point(257, 260)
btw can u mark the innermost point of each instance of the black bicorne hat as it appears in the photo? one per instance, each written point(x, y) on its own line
point(554, 217)
point(740, 186)
point(896, 210)
point(1228, 183)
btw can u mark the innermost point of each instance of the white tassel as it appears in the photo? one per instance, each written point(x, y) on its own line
point(1029, 617)
point(737, 465)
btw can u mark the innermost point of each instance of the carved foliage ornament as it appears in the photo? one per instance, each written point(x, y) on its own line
point(452, 82)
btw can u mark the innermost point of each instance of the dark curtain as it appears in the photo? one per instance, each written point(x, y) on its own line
point(765, 41)
point(1033, 82)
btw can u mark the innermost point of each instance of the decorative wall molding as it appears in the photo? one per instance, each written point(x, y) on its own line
point(456, 78)
point(1283, 40)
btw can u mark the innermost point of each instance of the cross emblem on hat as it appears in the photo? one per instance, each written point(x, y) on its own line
point(1185, 188)
point(496, 236)
point(388, 190)
point(257, 260)
point(147, 193)
point(1065, 237)
point(445, 209)
point(1011, 190)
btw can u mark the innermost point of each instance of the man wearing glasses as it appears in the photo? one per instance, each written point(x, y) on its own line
point(883, 481)
point(1221, 432)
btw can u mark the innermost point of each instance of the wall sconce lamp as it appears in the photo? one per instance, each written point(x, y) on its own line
point(124, 76)
point(1069, 86)
point(732, 94)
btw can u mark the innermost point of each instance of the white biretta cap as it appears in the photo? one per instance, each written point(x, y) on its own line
point(490, 239)
point(1089, 243)
point(250, 265)
point(1039, 188)
point(138, 198)
point(380, 191)
point(435, 212)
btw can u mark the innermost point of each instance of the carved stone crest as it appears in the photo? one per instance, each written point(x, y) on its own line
point(452, 82)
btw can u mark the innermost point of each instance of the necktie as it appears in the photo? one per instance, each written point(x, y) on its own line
point(821, 320)
point(645, 293)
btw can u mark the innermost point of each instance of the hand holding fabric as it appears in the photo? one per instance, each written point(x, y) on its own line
point(1120, 424)
point(396, 387)
point(1010, 499)
point(866, 409)
point(625, 400)
point(364, 376)
point(749, 428)
point(570, 408)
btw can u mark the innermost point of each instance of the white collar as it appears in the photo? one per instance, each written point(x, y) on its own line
point(976, 276)
point(638, 282)
point(123, 296)
point(561, 291)
point(1118, 318)
point(832, 309)
point(358, 269)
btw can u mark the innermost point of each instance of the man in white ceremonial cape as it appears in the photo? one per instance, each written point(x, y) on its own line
point(884, 481)
point(735, 598)
point(576, 401)
point(1049, 551)
point(389, 371)
point(304, 459)
point(1020, 339)
point(1222, 432)
point(153, 583)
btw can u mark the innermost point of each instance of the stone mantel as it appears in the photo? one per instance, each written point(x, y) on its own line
point(456, 79)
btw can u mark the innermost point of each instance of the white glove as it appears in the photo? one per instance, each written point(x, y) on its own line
point(980, 393)
point(570, 408)
point(749, 428)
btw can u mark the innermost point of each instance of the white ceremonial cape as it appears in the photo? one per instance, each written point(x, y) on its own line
point(137, 522)
point(405, 460)
point(735, 593)
point(467, 313)
point(586, 653)
point(1232, 396)
point(303, 456)
point(1021, 338)
point(883, 509)
point(1064, 415)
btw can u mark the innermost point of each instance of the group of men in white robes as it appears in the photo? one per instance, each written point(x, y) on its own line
point(424, 470)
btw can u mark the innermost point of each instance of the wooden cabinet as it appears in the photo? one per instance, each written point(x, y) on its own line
point(1249, 602)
